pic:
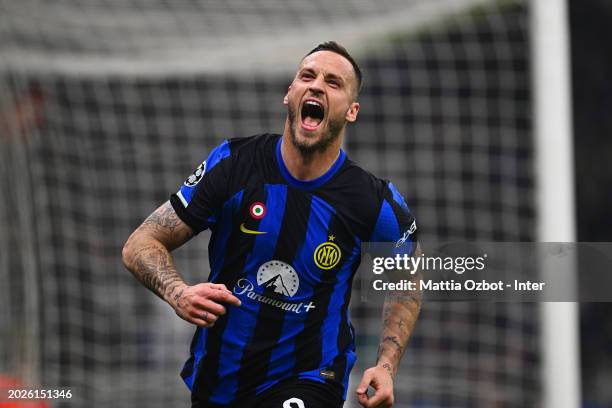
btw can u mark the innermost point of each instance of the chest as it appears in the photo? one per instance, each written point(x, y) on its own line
point(312, 234)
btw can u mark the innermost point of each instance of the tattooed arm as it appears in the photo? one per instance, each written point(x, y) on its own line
point(147, 255)
point(400, 313)
point(147, 251)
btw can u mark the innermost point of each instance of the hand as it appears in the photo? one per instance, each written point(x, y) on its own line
point(380, 379)
point(200, 304)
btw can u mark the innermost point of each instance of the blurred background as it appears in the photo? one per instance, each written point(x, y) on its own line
point(106, 106)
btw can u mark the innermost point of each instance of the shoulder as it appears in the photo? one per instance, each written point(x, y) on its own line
point(239, 151)
point(358, 195)
point(356, 181)
point(241, 146)
point(374, 200)
point(378, 189)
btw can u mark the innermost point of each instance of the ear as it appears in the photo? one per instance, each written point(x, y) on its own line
point(351, 113)
point(286, 98)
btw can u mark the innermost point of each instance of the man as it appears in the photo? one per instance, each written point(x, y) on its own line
point(288, 215)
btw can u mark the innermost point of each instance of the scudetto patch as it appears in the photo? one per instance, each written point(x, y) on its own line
point(257, 210)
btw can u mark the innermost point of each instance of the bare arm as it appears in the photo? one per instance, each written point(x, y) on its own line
point(400, 313)
point(147, 255)
point(147, 251)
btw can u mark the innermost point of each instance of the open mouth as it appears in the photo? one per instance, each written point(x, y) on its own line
point(312, 114)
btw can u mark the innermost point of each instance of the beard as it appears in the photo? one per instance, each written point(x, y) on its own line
point(306, 149)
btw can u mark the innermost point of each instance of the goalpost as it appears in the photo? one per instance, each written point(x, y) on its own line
point(107, 106)
point(555, 179)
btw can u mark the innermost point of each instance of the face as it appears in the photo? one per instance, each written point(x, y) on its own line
point(320, 101)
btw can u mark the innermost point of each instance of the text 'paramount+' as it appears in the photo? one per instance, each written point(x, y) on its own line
point(245, 286)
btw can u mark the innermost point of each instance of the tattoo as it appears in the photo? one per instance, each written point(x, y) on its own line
point(389, 369)
point(163, 217)
point(177, 297)
point(399, 316)
point(400, 313)
point(154, 268)
point(405, 297)
point(398, 349)
point(147, 252)
point(165, 224)
point(393, 339)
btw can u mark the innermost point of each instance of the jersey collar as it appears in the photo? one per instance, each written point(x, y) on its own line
point(309, 184)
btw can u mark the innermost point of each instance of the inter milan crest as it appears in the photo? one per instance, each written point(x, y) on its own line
point(328, 254)
point(196, 176)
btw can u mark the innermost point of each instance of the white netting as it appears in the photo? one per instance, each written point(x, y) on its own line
point(107, 105)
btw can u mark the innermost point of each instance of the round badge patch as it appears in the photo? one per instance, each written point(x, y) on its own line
point(257, 210)
point(327, 255)
point(196, 176)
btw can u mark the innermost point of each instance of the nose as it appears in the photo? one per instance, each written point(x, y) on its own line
point(316, 86)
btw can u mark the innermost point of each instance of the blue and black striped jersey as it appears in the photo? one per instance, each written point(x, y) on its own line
point(289, 250)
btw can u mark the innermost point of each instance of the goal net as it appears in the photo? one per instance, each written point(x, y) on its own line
point(106, 106)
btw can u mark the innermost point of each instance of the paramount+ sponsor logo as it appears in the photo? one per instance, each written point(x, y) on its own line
point(278, 279)
point(328, 254)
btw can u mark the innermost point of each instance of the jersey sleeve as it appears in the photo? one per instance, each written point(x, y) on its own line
point(202, 194)
point(395, 223)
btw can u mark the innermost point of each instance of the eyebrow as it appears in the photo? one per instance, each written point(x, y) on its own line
point(302, 70)
point(327, 76)
point(335, 77)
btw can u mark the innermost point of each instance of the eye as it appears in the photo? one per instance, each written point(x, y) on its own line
point(307, 75)
point(333, 83)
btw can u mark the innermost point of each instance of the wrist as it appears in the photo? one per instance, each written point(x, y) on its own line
point(388, 366)
point(174, 293)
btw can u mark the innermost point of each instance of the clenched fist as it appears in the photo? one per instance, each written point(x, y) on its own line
point(380, 379)
point(201, 304)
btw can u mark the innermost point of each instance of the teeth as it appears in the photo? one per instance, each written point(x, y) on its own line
point(313, 103)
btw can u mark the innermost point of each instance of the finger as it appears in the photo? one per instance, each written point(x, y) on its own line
point(219, 286)
point(226, 297)
point(363, 399)
point(209, 306)
point(205, 316)
point(380, 397)
point(386, 404)
point(202, 323)
point(362, 388)
point(196, 315)
point(206, 288)
point(195, 320)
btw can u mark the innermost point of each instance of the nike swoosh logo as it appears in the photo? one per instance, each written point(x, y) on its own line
point(249, 231)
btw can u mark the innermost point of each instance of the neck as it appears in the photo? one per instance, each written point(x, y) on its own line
point(309, 167)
